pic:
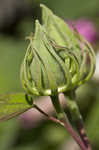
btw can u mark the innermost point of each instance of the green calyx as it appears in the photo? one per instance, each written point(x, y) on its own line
point(56, 58)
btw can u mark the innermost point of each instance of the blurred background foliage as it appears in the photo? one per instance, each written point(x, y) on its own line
point(16, 22)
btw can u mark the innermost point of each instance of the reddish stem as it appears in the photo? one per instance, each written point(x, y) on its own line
point(82, 133)
point(67, 126)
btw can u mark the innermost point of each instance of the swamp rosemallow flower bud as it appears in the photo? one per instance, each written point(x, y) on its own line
point(56, 59)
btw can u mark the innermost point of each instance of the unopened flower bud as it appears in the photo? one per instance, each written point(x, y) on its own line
point(56, 58)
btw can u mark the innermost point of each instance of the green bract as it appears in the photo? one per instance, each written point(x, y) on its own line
point(57, 59)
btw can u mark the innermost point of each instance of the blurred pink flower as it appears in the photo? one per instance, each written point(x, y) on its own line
point(86, 28)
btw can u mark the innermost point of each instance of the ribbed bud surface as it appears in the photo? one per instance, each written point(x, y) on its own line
point(56, 58)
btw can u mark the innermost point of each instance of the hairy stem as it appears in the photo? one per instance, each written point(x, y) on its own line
point(82, 132)
point(77, 118)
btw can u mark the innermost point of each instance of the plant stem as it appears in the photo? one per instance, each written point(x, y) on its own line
point(67, 126)
point(59, 111)
point(74, 135)
point(82, 132)
point(77, 118)
point(48, 116)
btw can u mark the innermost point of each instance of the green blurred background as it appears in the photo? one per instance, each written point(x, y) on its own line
point(16, 22)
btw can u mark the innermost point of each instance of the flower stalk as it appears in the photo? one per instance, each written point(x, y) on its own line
point(76, 117)
point(66, 125)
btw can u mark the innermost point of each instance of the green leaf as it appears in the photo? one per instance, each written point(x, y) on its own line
point(12, 105)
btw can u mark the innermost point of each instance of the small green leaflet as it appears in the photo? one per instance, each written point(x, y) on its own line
point(12, 105)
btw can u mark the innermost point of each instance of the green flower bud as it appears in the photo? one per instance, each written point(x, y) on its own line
point(56, 58)
point(60, 32)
